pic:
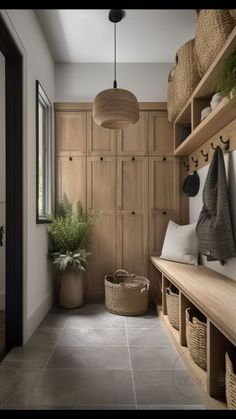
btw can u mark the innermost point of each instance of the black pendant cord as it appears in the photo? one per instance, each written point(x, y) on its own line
point(115, 82)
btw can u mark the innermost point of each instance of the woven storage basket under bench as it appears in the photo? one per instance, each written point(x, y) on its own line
point(126, 294)
point(196, 336)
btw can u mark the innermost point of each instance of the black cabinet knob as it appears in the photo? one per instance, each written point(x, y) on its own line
point(164, 213)
point(133, 158)
point(133, 212)
point(70, 158)
point(101, 158)
point(164, 158)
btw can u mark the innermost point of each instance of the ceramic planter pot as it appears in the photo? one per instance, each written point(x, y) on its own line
point(71, 289)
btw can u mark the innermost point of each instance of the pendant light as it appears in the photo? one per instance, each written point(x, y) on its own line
point(115, 108)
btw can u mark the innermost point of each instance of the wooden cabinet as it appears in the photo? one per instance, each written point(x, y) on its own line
point(71, 179)
point(130, 176)
point(100, 141)
point(133, 140)
point(71, 133)
point(163, 199)
point(101, 187)
point(132, 223)
point(160, 134)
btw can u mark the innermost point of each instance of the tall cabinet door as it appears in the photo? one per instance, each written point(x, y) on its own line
point(100, 140)
point(161, 139)
point(71, 133)
point(163, 199)
point(71, 179)
point(133, 140)
point(132, 223)
point(101, 195)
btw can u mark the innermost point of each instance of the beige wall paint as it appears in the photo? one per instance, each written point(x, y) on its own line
point(37, 64)
point(81, 82)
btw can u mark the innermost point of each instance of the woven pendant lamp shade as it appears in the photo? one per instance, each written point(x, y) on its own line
point(115, 108)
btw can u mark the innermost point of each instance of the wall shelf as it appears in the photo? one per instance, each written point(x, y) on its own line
point(222, 115)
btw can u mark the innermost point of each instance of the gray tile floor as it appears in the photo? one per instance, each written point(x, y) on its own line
point(91, 359)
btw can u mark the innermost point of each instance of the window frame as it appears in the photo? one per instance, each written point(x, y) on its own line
point(42, 98)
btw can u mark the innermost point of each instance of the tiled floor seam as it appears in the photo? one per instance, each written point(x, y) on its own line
point(47, 362)
point(131, 369)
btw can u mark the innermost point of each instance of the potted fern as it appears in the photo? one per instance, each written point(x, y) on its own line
point(69, 232)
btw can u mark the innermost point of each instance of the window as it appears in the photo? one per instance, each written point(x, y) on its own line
point(44, 155)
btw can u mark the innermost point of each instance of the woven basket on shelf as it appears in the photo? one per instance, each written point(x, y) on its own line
point(233, 13)
point(196, 336)
point(171, 107)
point(172, 302)
point(126, 294)
point(186, 73)
point(230, 381)
point(212, 29)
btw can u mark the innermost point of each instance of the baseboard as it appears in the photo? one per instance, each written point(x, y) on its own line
point(2, 300)
point(37, 316)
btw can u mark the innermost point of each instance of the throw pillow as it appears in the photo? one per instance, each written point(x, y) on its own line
point(180, 243)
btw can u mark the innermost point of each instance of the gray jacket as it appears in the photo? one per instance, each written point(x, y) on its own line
point(214, 227)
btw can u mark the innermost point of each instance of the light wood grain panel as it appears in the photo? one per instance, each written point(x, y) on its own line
point(132, 243)
point(134, 139)
point(100, 141)
point(101, 183)
point(102, 196)
point(71, 179)
point(132, 187)
point(132, 200)
point(217, 346)
point(163, 199)
point(218, 303)
point(219, 117)
point(70, 133)
point(160, 134)
point(228, 132)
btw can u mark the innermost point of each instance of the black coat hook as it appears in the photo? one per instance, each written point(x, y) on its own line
point(213, 147)
point(225, 142)
point(186, 165)
point(195, 161)
point(204, 155)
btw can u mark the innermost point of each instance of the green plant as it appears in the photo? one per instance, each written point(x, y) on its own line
point(226, 82)
point(69, 232)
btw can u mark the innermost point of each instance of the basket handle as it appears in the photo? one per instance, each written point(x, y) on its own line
point(120, 271)
point(145, 288)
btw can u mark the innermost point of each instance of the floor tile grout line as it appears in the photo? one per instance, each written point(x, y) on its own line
point(48, 360)
point(132, 376)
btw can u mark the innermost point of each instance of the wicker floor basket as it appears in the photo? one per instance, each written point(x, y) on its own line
point(126, 294)
point(172, 302)
point(230, 380)
point(196, 336)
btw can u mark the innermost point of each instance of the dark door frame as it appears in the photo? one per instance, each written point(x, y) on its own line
point(14, 187)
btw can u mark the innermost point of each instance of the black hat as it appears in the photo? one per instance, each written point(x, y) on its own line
point(191, 184)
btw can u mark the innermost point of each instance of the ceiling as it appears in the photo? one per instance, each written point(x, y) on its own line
point(84, 36)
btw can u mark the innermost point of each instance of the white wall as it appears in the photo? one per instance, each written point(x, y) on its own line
point(2, 179)
point(195, 206)
point(38, 64)
point(81, 82)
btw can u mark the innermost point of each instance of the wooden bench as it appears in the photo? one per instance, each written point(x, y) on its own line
point(215, 296)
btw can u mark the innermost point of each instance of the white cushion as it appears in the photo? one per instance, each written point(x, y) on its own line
point(180, 243)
